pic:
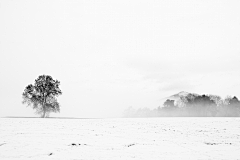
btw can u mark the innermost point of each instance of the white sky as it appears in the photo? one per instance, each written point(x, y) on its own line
point(109, 55)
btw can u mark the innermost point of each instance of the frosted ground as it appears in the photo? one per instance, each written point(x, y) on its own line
point(143, 138)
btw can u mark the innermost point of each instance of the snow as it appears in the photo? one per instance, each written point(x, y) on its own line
point(133, 138)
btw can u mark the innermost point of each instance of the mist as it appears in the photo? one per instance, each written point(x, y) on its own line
point(109, 55)
point(191, 105)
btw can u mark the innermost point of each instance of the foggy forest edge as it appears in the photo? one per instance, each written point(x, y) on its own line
point(190, 105)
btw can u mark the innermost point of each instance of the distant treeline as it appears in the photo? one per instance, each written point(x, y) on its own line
point(191, 105)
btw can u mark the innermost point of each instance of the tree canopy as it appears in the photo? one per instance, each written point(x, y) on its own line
point(42, 95)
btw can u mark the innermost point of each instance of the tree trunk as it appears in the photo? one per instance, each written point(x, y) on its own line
point(44, 108)
point(44, 113)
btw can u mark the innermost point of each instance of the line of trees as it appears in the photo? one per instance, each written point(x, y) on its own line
point(192, 105)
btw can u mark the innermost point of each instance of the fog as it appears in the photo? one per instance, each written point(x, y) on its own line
point(110, 55)
point(191, 105)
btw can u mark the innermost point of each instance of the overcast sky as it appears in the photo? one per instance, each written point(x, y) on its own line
point(113, 54)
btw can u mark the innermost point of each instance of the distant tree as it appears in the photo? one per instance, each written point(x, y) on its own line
point(169, 108)
point(169, 104)
point(231, 107)
point(201, 106)
point(217, 99)
point(42, 95)
point(234, 101)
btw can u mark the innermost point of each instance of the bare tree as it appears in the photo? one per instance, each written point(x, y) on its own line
point(42, 95)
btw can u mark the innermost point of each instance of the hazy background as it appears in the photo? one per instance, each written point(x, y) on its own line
point(109, 55)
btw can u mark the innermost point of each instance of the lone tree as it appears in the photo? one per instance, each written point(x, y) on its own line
point(42, 95)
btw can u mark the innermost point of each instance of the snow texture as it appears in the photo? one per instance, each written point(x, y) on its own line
point(103, 139)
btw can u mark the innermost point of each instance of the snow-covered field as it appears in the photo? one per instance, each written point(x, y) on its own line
point(102, 139)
